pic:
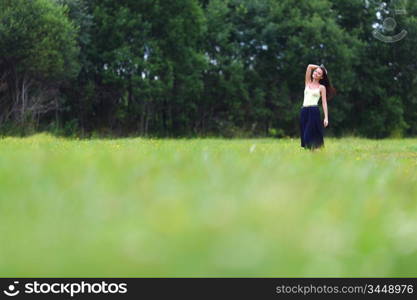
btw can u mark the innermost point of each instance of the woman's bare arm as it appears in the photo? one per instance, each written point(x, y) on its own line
point(308, 73)
point(324, 103)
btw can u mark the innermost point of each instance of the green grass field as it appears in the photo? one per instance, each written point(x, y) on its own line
point(207, 208)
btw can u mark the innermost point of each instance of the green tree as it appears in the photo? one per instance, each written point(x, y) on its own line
point(268, 44)
point(37, 51)
point(142, 68)
point(383, 85)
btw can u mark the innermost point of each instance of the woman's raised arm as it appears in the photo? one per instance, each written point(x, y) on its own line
point(308, 73)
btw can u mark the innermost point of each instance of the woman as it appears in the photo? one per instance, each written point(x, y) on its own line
point(316, 85)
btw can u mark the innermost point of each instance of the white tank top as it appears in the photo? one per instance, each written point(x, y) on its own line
point(311, 96)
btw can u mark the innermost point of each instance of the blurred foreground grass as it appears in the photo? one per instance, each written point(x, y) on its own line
point(207, 207)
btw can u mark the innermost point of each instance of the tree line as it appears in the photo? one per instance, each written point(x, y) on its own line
point(203, 68)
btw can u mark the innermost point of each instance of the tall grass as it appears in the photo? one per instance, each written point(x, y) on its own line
point(207, 207)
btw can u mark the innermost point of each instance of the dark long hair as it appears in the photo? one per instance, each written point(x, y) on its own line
point(330, 90)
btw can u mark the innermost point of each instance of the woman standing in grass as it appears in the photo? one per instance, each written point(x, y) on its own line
point(316, 85)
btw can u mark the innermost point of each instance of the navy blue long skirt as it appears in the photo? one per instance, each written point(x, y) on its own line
point(312, 128)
